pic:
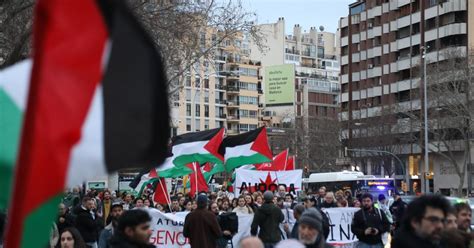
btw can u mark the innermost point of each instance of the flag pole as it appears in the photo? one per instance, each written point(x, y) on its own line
point(195, 178)
point(286, 158)
point(168, 200)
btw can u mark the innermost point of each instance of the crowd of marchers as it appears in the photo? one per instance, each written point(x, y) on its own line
point(108, 220)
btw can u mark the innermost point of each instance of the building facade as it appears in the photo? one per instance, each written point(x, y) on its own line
point(316, 82)
point(382, 45)
point(222, 90)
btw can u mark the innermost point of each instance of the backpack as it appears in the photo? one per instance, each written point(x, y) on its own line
point(229, 221)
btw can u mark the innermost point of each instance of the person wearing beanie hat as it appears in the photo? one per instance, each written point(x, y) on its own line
point(201, 226)
point(268, 218)
point(310, 229)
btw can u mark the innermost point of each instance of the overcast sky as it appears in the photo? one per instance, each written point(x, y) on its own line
point(307, 13)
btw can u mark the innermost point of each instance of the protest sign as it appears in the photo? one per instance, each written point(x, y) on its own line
point(251, 181)
point(167, 229)
point(340, 220)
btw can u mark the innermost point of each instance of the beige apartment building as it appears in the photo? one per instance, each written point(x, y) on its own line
point(313, 53)
point(382, 44)
point(221, 91)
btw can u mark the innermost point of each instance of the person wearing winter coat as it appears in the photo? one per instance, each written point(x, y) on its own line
point(268, 218)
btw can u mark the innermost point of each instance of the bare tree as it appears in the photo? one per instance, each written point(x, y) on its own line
point(15, 30)
point(179, 28)
point(318, 143)
point(382, 134)
point(450, 110)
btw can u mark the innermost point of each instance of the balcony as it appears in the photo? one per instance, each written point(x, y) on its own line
point(232, 103)
point(219, 87)
point(233, 117)
point(292, 51)
point(220, 58)
point(220, 101)
point(232, 89)
point(232, 131)
point(221, 116)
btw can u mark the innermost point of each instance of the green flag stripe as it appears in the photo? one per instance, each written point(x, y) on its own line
point(197, 157)
point(38, 224)
point(11, 118)
point(236, 162)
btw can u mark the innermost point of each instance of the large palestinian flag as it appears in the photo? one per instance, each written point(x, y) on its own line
point(187, 148)
point(97, 102)
point(247, 148)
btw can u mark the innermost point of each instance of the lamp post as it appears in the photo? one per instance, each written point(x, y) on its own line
point(425, 181)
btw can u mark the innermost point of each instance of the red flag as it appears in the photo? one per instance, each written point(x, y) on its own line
point(290, 164)
point(264, 166)
point(279, 161)
point(161, 193)
point(198, 183)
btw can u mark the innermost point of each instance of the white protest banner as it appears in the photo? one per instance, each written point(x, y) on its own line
point(340, 220)
point(168, 229)
point(252, 180)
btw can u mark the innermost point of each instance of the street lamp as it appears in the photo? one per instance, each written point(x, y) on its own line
point(425, 181)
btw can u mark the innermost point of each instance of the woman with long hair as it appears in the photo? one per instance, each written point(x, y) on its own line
point(71, 238)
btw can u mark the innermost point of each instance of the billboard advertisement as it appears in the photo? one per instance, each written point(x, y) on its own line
point(279, 84)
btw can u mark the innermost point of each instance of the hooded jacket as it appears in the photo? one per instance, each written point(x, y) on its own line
point(268, 217)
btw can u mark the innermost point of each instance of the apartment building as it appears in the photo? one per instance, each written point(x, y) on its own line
point(382, 44)
point(221, 91)
point(314, 56)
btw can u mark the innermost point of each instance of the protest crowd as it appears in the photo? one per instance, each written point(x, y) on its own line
point(107, 219)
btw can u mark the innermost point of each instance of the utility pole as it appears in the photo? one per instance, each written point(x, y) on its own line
point(425, 181)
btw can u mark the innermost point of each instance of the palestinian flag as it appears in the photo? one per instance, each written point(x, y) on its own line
point(97, 102)
point(151, 180)
point(198, 147)
point(247, 148)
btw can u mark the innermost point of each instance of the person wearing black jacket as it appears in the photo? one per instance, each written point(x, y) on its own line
point(133, 230)
point(329, 201)
point(268, 218)
point(369, 223)
point(398, 210)
point(64, 219)
point(423, 223)
point(86, 222)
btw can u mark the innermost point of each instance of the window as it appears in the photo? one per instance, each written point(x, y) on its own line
point(188, 109)
point(188, 124)
point(206, 83)
point(198, 125)
point(197, 82)
point(247, 86)
point(206, 96)
point(248, 100)
point(248, 72)
point(244, 127)
point(206, 125)
point(206, 110)
point(188, 94)
point(198, 110)
point(357, 9)
point(247, 113)
point(188, 81)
